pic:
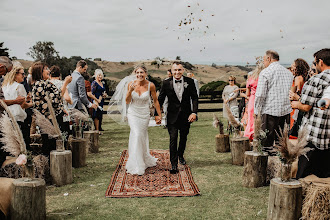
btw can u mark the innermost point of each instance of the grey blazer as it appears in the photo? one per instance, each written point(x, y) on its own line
point(77, 91)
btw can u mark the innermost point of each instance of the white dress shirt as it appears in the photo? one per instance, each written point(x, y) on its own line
point(178, 88)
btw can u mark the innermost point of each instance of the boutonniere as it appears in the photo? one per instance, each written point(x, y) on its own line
point(185, 84)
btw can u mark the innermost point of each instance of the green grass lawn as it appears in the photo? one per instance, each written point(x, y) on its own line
point(222, 193)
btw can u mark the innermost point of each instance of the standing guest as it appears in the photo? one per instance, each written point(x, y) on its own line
point(229, 97)
point(6, 66)
point(300, 69)
point(272, 98)
point(42, 86)
point(191, 75)
point(251, 88)
point(77, 87)
point(12, 88)
point(316, 119)
point(165, 105)
point(55, 78)
point(90, 96)
point(98, 91)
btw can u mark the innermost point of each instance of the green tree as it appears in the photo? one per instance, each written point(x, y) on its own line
point(45, 52)
point(3, 51)
point(178, 58)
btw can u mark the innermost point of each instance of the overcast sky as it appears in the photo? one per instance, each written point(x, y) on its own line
point(129, 30)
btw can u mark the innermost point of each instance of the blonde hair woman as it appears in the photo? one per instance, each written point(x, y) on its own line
point(229, 95)
point(251, 88)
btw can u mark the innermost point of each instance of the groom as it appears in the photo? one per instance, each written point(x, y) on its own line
point(180, 114)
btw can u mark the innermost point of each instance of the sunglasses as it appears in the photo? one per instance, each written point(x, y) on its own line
point(230, 80)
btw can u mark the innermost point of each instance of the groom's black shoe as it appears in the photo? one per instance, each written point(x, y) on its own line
point(182, 161)
point(174, 169)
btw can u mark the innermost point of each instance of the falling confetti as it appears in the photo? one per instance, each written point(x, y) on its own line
point(261, 11)
point(140, 9)
point(282, 37)
point(188, 6)
point(303, 48)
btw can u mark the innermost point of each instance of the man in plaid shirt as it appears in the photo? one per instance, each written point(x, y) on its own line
point(316, 119)
point(272, 98)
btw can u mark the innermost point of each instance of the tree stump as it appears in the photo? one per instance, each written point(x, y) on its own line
point(92, 141)
point(61, 167)
point(255, 169)
point(238, 146)
point(222, 143)
point(285, 200)
point(78, 148)
point(28, 199)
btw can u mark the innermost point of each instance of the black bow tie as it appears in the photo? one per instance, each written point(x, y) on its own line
point(178, 81)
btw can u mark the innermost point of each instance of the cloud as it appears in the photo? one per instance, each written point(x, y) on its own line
point(141, 29)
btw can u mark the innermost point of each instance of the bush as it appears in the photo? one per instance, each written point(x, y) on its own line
point(214, 86)
point(214, 65)
point(247, 69)
point(154, 62)
point(188, 65)
point(122, 62)
point(97, 59)
point(155, 80)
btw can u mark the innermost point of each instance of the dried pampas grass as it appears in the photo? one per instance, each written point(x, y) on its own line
point(232, 120)
point(218, 124)
point(316, 204)
point(75, 114)
point(12, 137)
point(290, 152)
point(46, 127)
point(53, 116)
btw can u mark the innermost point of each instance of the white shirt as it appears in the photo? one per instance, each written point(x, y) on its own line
point(178, 88)
point(272, 94)
point(11, 92)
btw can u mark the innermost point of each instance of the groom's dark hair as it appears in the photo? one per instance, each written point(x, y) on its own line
point(81, 63)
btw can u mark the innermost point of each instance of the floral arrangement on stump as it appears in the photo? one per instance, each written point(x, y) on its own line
point(259, 134)
point(237, 125)
point(81, 121)
point(289, 152)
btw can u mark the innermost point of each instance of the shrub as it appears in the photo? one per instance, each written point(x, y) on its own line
point(122, 62)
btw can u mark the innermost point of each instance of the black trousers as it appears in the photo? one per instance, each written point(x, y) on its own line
point(272, 124)
point(318, 163)
point(181, 127)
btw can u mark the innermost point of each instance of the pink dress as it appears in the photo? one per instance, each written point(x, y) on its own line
point(249, 130)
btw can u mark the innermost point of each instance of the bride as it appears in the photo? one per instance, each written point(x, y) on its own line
point(138, 116)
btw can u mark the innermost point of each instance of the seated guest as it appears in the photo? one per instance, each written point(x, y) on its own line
point(12, 88)
point(316, 120)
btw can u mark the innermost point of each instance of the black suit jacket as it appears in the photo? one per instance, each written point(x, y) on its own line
point(175, 107)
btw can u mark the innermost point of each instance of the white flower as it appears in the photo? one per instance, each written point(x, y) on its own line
point(185, 84)
point(21, 160)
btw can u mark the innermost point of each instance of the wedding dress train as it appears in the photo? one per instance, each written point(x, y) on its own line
point(138, 115)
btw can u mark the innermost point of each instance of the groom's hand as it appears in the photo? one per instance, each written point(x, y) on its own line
point(192, 117)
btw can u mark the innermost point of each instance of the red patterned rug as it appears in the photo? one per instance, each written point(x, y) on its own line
point(156, 182)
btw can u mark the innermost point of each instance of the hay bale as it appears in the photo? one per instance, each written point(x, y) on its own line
point(316, 204)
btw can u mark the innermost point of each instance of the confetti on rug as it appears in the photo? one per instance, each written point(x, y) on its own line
point(156, 182)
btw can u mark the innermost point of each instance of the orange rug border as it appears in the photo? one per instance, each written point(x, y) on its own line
point(119, 166)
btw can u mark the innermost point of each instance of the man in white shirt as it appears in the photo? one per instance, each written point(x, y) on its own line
point(272, 98)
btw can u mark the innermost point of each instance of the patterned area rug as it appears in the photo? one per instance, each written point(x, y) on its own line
point(156, 182)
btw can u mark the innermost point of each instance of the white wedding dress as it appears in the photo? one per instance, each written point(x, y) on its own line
point(138, 116)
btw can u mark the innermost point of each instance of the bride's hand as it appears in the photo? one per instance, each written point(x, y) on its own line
point(158, 120)
point(132, 87)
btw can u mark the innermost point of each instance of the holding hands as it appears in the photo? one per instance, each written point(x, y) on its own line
point(158, 120)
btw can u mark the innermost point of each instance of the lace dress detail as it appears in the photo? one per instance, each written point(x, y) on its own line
point(138, 115)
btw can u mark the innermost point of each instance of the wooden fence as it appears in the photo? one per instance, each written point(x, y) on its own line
point(204, 98)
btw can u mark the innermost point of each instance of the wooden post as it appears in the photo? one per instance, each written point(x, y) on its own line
point(255, 169)
point(285, 200)
point(92, 138)
point(238, 146)
point(28, 199)
point(61, 167)
point(222, 143)
point(78, 148)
